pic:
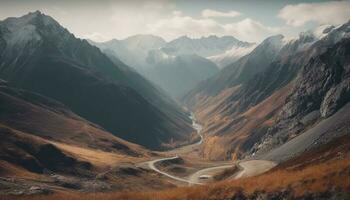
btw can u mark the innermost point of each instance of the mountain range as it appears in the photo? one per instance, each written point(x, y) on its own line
point(178, 65)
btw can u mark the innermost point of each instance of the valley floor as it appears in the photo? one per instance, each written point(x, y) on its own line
point(179, 167)
point(152, 177)
point(318, 174)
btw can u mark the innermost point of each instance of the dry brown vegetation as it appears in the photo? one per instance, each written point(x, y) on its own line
point(226, 173)
point(97, 157)
point(55, 122)
point(21, 168)
point(330, 169)
point(225, 132)
point(317, 178)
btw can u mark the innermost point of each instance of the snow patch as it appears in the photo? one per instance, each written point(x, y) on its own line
point(231, 55)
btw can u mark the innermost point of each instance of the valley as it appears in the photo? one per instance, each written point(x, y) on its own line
point(181, 103)
point(246, 168)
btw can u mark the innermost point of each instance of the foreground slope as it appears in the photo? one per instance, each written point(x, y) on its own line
point(39, 55)
point(321, 173)
point(44, 117)
point(46, 148)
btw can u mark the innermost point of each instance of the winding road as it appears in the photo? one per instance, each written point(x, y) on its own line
point(254, 167)
point(247, 168)
point(151, 165)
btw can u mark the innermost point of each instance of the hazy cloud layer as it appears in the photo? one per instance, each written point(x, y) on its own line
point(246, 29)
point(207, 13)
point(335, 12)
point(105, 20)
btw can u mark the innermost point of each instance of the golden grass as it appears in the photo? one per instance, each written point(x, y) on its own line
point(313, 178)
point(226, 173)
point(96, 157)
point(9, 170)
point(208, 105)
point(237, 129)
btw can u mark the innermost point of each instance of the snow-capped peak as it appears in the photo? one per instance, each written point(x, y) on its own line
point(19, 31)
point(323, 30)
point(28, 32)
point(204, 46)
point(336, 34)
point(275, 41)
point(231, 55)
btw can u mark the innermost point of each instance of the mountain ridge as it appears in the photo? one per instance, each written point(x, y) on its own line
point(228, 108)
point(59, 65)
point(149, 59)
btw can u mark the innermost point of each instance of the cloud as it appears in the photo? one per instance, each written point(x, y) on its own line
point(133, 17)
point(335, 12)
point(95, 36)
point(164, 19)
point(178, 25)
point(250, 30)
point(208, 13)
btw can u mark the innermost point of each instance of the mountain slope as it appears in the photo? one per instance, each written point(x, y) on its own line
point(46, 148)
point(322, 89)
point(300, 85)
point(133, 50)
point(242, 70)
point(43, 57)
point(34, 124)
point(47, 118)
point(178, 74)
point(231, 55)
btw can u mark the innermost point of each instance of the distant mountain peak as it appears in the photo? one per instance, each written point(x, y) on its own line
point(273, 39)
point(184, 37)
point(275, 42)
point(206, 38)
point(31, 29)
point(37, 12)
point(37, 16)
point(205, 46)
point(211, 36)
point(145, 38)
point(36, 19)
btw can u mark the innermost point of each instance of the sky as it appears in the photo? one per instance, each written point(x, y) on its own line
point(247, 20)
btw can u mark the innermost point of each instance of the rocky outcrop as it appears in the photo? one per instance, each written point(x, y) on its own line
point(321, 89)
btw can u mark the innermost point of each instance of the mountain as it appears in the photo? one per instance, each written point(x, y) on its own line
point(282, 93)
point(242, 70)
point(220, 50)
point(45, 147)
point(231, 55)
point(184, 61)
point(320, 96)
point(178, 74)
point(43, 117)
point(204, 46)
point(175, 74)
point(41, 56)
point(133, 50)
